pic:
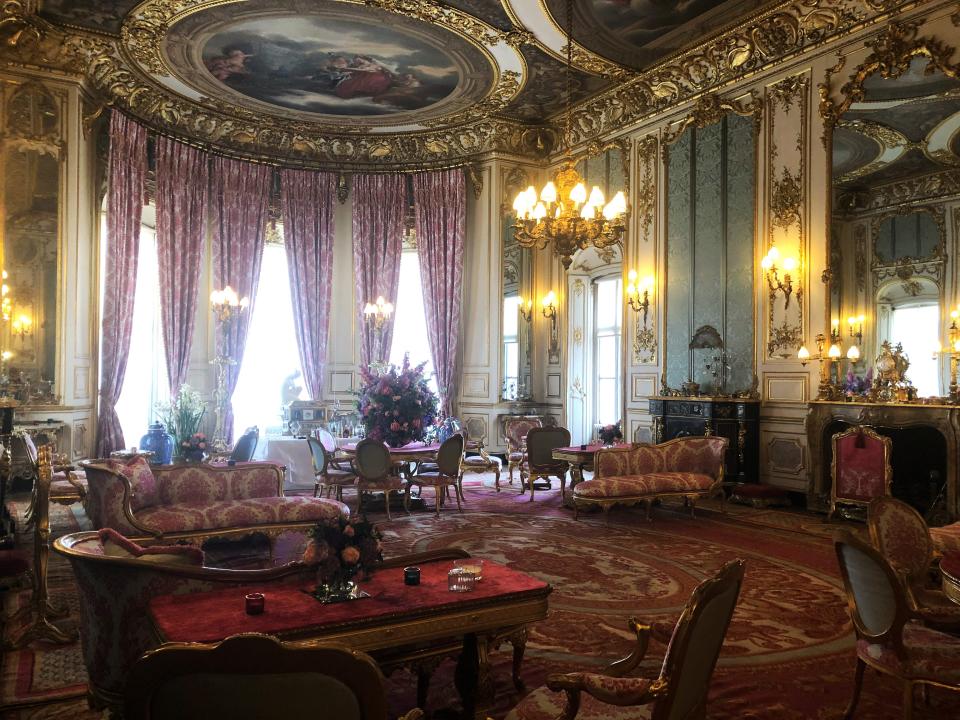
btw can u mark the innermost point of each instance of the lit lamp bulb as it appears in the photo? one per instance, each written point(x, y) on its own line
point(579, 194)
point(834, 352)
point(596, 197)
point(549, 193)
point(803, 354)
point(539, 212)
point(588, 211)
point(790, 264)
point(853, 354)
point(956, 346)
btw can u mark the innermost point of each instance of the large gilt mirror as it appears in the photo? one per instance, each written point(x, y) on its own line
point(31, 197)
point(895, 154)
point(516, 302)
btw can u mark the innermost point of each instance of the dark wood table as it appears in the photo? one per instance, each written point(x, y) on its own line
point(399, 625)
point(581, 458)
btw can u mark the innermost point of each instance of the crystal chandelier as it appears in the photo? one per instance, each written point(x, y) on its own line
point(563, 214)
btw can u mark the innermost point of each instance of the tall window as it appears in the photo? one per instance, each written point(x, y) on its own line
point(270, 357)
point(145, 382)
point(511, 347)
point(410, 322)
point(607, 312)
point(914, 326)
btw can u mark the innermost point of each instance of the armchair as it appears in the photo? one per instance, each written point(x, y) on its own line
point(375, 471)
point(328, 474)
point(254, 676)
point(516, 429)
point(449, 462)
point(680, 691)
point(891, 638)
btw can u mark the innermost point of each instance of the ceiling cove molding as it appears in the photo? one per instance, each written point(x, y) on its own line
point(758, 44)
point(783, 31)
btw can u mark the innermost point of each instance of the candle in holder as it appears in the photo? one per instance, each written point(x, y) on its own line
point(461, 580)
point(254, 603)
point(411, 575)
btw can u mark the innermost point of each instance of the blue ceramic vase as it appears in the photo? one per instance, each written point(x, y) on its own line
point(160, 442)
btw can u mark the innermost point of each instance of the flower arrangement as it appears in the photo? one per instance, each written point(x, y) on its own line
point(854, 385)
point(398, 405)
point(341, 550)
point(608, 434)
point(194, 446)
point(182, 415)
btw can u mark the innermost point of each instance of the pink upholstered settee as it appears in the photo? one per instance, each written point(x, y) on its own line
point(689, 467)
point(196, 501)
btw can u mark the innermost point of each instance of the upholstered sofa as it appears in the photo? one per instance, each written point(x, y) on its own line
point(689, 467)
point(197, 500)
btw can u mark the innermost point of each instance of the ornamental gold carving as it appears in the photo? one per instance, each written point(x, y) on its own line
point(647, 185)
point(939, 185)
point(786, 339)
point(786, 198)
point(710, 109)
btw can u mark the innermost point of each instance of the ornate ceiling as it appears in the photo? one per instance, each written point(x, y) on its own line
point(406, 82)
point(904, 128)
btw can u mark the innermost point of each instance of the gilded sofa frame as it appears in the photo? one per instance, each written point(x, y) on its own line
point(689, 497)
point(271, 530)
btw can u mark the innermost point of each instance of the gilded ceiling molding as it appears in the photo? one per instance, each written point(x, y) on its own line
point(760, 43)
point(710, 109)
point(941, 185)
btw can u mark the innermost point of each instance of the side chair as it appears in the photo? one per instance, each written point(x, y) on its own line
point(447, 474)
point(254, 676)
point(515, 429)
point(327, 474)
point(681, 689)
point(902, 537)
point(375, 472)
point(539, 462)
point(891, 638)
point(860, 468)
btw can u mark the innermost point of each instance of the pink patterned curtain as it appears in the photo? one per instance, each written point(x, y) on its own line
point(378, 208)
point(127, 172)
point(240, 194)
point(440, 209)
point(182, 192)
point(308, 200)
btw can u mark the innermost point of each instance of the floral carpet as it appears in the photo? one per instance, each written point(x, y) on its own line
point(789, 652)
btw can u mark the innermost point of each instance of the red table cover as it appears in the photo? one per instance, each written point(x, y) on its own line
point(950, 565)
point(215, 615)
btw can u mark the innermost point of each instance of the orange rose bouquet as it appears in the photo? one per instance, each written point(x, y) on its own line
point(341, 551)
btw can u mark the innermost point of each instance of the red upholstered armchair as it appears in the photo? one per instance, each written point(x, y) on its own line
point(860, 468)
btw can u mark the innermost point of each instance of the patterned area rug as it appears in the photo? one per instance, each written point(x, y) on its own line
point(789, 652)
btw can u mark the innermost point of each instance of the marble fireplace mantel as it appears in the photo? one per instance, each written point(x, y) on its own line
point(944, 419)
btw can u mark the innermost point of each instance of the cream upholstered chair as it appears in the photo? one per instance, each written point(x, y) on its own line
point(680, 691)
point(447, 474)
point(891, 638)
point(539, 463)
point(252, 677)
point(327, 474)
point(516, 429)
point(375, 472)
point(901, 535)
point(329, 443)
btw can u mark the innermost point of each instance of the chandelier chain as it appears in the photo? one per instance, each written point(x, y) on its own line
point(568, 90)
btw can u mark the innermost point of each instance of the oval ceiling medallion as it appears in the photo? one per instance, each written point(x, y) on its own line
point(341, 64)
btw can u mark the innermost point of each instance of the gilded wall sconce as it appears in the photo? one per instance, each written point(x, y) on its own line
point(828, 387)
point(526, 309)
point(952, 353)
point(855, 328)
point(638, 294)
point(22, 326)
point(772, 271)
point(548, 307)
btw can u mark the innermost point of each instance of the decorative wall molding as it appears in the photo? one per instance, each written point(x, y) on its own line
point(787, 111)
point(645, 336)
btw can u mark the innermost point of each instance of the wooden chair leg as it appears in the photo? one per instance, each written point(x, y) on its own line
point(386, 502)
point(316, 489)
point(440, 490)
point(531, 479)
point(908, 701)
point(857, 685)
point(497, 482)
point(459, 506)
point(406, 498)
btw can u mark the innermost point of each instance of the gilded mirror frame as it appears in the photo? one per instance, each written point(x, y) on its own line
point(708, 110)
point(893, 50)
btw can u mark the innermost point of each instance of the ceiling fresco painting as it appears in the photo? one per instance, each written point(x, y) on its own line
point(638, 33)
point(100, 15)
point(331, 66)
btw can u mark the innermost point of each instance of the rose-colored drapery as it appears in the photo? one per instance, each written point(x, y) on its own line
point(127, 172)
point(240, 193)
point(308, 200)
point(182, 191)
point(378, 208)
point(440, 209)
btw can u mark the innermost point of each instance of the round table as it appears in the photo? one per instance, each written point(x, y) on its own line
point(950, 576)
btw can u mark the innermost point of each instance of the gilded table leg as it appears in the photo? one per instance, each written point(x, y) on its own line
point(474, 679)
point(519, 642)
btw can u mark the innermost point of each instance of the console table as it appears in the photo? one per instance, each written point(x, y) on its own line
point(737, 419)
point(926, 439)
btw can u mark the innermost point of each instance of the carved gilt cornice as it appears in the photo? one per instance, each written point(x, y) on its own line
point(942, 185)
point(710, 109)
